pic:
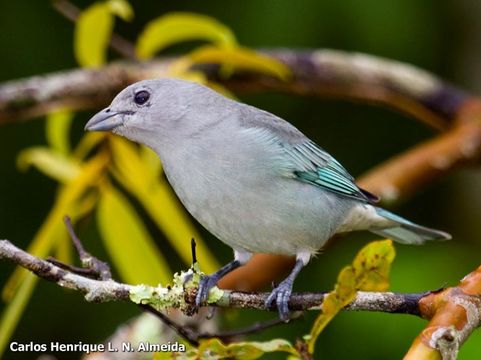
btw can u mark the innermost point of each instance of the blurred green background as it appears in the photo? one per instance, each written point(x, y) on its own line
point(440, 36)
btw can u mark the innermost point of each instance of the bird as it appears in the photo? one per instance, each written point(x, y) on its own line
point(252, 179)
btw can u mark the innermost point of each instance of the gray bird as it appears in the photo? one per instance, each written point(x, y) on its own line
point(249, 177)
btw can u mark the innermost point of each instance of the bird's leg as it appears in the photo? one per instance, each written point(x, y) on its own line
point(282, 292)
point(207, 282)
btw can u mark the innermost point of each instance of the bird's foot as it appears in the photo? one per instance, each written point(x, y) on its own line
point(281, 295)
point(206, 283)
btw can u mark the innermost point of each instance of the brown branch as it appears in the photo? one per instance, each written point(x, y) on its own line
point(404, 174)
point(454, 314)
point(316, 73)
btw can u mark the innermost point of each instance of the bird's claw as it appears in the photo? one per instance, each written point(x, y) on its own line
point(281, 295)
point(206, 283)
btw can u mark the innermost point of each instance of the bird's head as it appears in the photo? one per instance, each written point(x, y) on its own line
point(157, 111)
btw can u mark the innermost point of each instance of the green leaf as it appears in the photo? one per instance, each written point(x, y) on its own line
point(177, 27)
point(92, 34)
point(51, 163)
point(243, 350)
point(241, 58)
point(369, 272)
point(58, 130)
point(121, 8)
point(132, 249)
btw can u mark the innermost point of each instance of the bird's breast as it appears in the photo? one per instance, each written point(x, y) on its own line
point(239, 193)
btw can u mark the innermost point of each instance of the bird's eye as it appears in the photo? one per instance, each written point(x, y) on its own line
point(141, 97)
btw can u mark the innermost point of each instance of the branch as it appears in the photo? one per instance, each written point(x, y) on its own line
point(454, 314)
point(110, 290)
point(403, 175)
point(316, 73)
point(93, 290)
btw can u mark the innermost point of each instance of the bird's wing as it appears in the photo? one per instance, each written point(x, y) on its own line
point(308, 162)
point(315, 166)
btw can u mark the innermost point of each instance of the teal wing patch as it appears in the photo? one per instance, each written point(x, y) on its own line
point(317, 167)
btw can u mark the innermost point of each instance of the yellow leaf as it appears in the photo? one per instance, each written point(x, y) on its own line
point(63, 251)
point(92, 34)
point(50, 235)
point(132, 168)
point(58, 130)
point(242, 59)
point(151, 160)
point(65, 204)
point(141, 179)
point(373, 264)
point(369, 272)
point(133, 251)
point(13, 311)
point(177, 27)
point(87, 143)
point(51, 163)
point(221, 89)
point(121, 8)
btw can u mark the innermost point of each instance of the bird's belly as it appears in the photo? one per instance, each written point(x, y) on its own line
point(281, 217)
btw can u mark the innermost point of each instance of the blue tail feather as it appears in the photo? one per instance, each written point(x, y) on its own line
point(407, 232)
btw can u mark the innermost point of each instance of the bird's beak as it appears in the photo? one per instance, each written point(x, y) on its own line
point(105, 120)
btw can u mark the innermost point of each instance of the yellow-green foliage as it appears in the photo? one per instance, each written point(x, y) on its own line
point(369, 272)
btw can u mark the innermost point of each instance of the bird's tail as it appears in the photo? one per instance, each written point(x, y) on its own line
point(407, 232)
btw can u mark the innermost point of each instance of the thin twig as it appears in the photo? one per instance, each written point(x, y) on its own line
point(96, 266)
point(186, 332)
point(74, 269)
point(118, 43)
point(227, 335)
point(192, 248)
